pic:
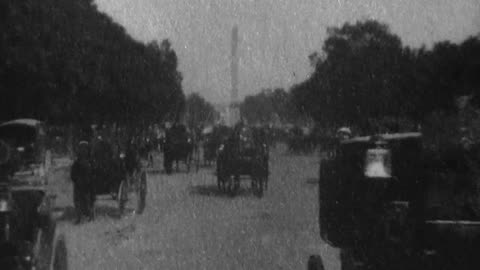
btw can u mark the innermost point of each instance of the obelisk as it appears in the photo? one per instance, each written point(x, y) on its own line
point(234, 111)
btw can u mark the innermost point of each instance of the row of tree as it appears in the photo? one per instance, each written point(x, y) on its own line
point(65, 62)
point(364, 75)
point(269, 107)
point(199, 112)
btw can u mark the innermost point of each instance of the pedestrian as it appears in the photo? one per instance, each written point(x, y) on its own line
point(81, 175)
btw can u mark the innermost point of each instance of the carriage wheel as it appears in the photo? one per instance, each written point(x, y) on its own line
point(60, 254)
point(122, 196)
point(47, 166)
point(259, 184)
point(219, 178)
point(41, 248)
point(265, 182)
point(197, 161)
point(167, 163)
point(221, 182)
point(141, 193)
point(187, 162)
point(265, 179)
point(229, 185)
point(233, 184)
point(267, 170)
point(236, 183)
point(43, 242)
point(150, 160)
point(168, 169)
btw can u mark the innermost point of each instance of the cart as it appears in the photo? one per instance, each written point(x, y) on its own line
point(180, 146)
point(113, 176)
point(245, 153)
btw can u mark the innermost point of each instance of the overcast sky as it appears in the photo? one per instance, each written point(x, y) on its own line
point(276, 36)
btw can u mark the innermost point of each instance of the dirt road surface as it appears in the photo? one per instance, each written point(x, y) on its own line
point(189, 224)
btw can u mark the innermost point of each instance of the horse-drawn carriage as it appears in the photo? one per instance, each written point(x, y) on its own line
point(28, 237)
point(301, 140)
point(180, 146)
point(116, 173)
point(213, 137)
point(245, 153)
point(387, 203)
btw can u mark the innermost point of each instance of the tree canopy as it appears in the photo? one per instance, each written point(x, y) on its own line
point(268, 106)
point(199, 112)
point(364, 75)
point(64, 61)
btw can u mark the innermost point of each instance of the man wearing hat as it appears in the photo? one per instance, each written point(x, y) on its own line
point(81, 175)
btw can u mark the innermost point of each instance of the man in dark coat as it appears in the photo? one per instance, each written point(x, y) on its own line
point(178, 146)
point(132, 158)
point(81, 175)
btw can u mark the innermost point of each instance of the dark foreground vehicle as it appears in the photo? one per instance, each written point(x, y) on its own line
point(389, 204)
point(245, 153)
point(28, 238)
point(27, 139)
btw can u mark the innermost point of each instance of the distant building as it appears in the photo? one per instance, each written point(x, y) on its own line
point(229, 114)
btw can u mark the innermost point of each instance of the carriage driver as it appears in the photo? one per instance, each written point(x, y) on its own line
point(344, 133)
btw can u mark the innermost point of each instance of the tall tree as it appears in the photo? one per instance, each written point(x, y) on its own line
point(199, 112)
point(64, 61)
point(365, 76)
point(268, 106)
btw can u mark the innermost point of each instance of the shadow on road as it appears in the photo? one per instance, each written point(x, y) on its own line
point(69, 214)
point(213, 191)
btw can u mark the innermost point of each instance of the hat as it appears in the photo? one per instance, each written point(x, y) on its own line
point(344, 130)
